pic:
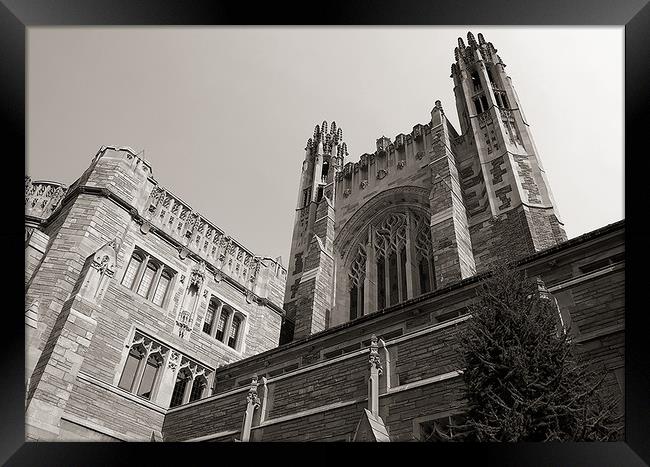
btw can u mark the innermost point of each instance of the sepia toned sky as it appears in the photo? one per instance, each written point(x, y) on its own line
point(223, 113)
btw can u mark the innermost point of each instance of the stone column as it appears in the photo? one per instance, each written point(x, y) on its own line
point(168, 379)
point(375, 372)
point(253, 404)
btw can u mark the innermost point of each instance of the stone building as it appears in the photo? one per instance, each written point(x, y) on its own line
point(145, 321)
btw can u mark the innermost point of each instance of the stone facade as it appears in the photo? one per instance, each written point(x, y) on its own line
point(82, 320)
point(317, 389)
point(146, 322)
point(471, 186)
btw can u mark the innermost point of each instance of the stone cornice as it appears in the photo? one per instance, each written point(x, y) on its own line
point(135, 215)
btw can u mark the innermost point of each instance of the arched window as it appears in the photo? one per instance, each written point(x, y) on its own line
point(132, 270)
point(401, 264)
point(183, 378)
point(357, 277)
point(143, 367)
point(325, 171)
point(381, 283)
point(234, 332)
point(476, 81)
point(424, 256)
point(425, 281)
point(392, 278)
point(198, 388)
point(389, 239)
point(402, 273)
point(161, 289)
point(150, 376)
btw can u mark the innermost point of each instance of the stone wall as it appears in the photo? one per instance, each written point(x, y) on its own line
point(77, 344)
point(316, 389)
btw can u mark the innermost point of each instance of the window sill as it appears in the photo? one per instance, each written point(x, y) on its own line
point(220, 343)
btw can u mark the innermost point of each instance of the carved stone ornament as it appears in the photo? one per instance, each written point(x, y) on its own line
point(101, 270)
point(484, 119)
point(183, 322)
point(197, 276)
point(347, 192)
point(364, 184)
point(183, 252)
point(419, 155)
point(374, 359)
point(252, 397)
point(174, 359)
point(381, 173)
point(144, 228)
point(401, 165)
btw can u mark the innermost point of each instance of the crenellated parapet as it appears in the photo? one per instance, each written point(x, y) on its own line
point(170, 215)
point(389, 158)
point(42, 198)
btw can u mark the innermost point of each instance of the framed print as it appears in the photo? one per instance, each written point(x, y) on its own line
point(360, 223)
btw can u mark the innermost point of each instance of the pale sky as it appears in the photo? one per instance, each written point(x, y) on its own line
point(223, 113)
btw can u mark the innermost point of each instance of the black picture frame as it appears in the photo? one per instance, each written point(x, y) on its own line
point(17, 15)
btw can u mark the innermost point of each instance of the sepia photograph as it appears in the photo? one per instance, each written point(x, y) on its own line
point(341, 234)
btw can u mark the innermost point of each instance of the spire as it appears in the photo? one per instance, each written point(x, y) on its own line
point(470, 39)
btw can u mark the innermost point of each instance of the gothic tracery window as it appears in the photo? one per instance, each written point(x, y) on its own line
point(400, 260)
point(357, 277)
point(191, 383)
point(146, 362)
point(424, 256)
point(390, 249)
point(143, 366)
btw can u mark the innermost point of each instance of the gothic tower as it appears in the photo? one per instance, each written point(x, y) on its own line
point(311, 262)
point(424, 210)
point(508, 198)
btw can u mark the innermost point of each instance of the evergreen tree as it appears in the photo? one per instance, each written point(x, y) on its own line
point(524, 380)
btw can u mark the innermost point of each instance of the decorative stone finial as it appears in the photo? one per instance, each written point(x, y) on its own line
point(252, 397)
point(481, 39)
point(470, 38)
point(375, 360)
point(461, 44)
point(438, 107)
